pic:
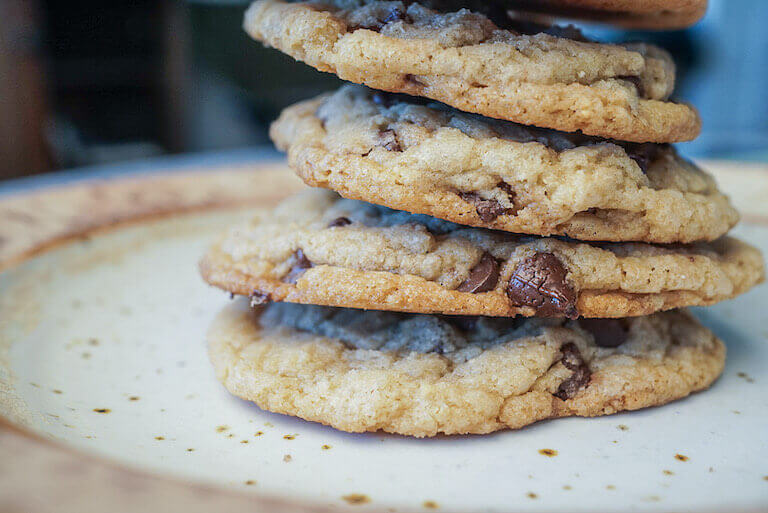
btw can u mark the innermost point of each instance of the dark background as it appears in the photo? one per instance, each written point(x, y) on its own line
point(85, 83)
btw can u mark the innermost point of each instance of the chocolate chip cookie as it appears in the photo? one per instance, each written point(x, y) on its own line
point(318, 248)
point(427, 158)
point(466, 60)
point(422, 375)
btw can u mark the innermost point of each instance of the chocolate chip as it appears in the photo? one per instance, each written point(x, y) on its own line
point(606, 332)
point(539, 282)
point(483, 277)
point(388, 139)
point(259, 298)
point(413, 81)
point(636, 81)
point(573, 361)
point(643, 153)
point(300, 264)
point(487, 209)
point(339, 221)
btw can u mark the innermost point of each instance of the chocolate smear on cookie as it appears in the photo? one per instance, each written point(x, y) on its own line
point(607, 332)
point(339, 221)
point(388, 139)
point(539, 282)
point(573, 361)
point(643, 153)
point(483, 277)
point(259, 298)
point(487, 209)
point(300, 264)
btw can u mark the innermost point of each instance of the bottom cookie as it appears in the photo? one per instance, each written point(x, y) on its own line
point(422, 375)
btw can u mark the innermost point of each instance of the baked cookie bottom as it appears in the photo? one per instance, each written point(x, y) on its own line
point(534, 371)
point(634, 14)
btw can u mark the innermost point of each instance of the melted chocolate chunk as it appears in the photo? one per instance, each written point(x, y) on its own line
point(607, 332)
point(487, 209)
point(483, 277)
point(512, 195)
point(643, 153)
point(539, 282)
point(300, 264)
point(339, 221)
point(573, 361)
point(259, 298)
point(413, 81)
point(388, 139)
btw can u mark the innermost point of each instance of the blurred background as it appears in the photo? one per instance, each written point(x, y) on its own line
point(86, 83)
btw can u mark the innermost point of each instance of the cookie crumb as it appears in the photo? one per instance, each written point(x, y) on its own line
point(668, 472)
point(190, 450)
point(258, 433)
point(610, 487)
point(430, 505)
point(102, 410)
point(134, 398)
point(160, 438)
point(243, 441)
point(681, 457)
point(325, 447)
point(250, 482)
point(356, 498)
point(567, 487)
point(623, 427)
point(289, 437)
point(287, 458)
point(531, 495)
point(57, 391)
point(548, 452)
point(221, 429)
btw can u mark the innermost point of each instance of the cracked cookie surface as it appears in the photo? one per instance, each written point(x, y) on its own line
point(319, 248)
point(463, 59)
point(422, 375)
point(396, 151)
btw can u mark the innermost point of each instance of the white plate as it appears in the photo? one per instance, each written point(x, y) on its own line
point(102, 347)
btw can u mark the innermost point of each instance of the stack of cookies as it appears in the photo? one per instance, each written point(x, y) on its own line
point(498, 233)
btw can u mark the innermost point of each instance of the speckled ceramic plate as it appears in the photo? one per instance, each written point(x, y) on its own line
point(102, 353)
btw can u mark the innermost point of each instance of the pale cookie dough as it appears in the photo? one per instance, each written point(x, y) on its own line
point(636, 14)
point(432, 159)
point(422, 375)
point(463, 59)
point(318, 248)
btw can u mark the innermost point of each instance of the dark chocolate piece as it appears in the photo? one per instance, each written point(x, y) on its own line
point(339, 221)
point(539, 282)
point(606, 332)
point(300, 264)
point(573, 361)
point(483, 277)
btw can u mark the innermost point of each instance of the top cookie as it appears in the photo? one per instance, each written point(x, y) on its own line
point(465, 60)
point(636, 14)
